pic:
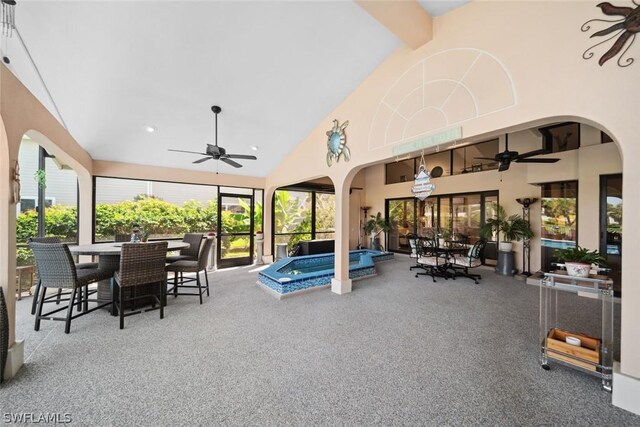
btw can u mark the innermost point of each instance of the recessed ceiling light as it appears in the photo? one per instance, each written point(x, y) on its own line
point(254, 147)
point(150, 129)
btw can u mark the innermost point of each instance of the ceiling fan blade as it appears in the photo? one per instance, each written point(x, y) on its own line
point(541, 160)
point(190, 152)
point(231, 162)
point(532, 153)
point(203, 159)
point(240, 156)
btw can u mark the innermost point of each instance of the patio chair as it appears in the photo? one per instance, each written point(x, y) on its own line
point(57, 270)
point(413, 244)
point(190, 253)
point(141, 267)
point(472, 259)
point(58, 297)
point(430, 259)
point(121, 238)
point(186, 266)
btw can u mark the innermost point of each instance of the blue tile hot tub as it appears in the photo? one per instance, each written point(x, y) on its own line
point(291, 275)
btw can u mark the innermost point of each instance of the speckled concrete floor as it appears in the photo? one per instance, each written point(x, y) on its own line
point(399, 350)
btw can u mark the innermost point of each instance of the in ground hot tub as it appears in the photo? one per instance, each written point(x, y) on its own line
point(292, 275)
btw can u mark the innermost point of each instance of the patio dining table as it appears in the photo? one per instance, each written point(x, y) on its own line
point(109, 259)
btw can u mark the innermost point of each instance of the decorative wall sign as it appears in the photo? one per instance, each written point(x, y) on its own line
point(428, 141)
point(422, 187)
point(336, 140)
point(625, 28)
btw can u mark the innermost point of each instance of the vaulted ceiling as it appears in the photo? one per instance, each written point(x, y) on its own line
point(277, 69)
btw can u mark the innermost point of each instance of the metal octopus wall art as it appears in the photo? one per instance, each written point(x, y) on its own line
point(624, 28)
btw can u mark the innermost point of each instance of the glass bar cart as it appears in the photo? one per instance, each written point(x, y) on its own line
point(591, 355)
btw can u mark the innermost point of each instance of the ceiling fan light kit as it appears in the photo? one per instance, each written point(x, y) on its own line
point(216, 152)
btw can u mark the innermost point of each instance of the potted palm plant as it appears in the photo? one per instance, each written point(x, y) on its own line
point(578, 260)
point(373, 227)
point(513, 228)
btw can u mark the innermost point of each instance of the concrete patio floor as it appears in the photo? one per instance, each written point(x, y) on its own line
point(397, 350)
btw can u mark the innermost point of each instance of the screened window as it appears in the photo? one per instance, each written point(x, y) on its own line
point(562, 137)
point(466, 159)
point(162, 209)
point(401, 171)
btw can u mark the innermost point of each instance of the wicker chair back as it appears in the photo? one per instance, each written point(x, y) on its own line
point(56, 268)
point(142, 263)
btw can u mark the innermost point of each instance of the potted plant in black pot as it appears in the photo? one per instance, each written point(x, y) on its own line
point(578, 260)
point(513, 228)
point(373, 227)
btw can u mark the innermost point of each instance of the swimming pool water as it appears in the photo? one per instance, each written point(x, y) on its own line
point(291, 275)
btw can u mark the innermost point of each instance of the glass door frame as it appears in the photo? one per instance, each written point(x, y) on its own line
point(437, 207)
point(240, 261)
point(413, 226)
point(604, 240)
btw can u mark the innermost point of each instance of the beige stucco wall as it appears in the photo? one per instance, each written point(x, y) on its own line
point(509, 66)
point(522, 64)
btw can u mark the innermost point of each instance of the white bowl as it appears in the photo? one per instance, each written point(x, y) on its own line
point(573, 341)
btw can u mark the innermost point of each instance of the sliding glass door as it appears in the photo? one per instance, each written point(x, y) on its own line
point(401, 215)
point(460, 215)
point(559, 222)
point(235, 222)
point(611, 226)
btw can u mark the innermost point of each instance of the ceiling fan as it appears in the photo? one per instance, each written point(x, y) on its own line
point(218, 153)
point(505, 158)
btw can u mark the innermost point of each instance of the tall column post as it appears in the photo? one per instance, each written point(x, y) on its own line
point(341, 284)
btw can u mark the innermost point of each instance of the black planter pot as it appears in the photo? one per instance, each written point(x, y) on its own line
point(506, 264)
point(4, 334)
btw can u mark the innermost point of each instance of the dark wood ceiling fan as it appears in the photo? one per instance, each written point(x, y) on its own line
point(218, 153)
point(506, 157)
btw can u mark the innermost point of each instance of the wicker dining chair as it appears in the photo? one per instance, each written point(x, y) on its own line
point(141, 267)
point(191, 253)
point(57, 270)
point(186, 266)
point(58, 297)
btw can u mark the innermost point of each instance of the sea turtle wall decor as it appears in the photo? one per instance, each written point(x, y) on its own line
point(336, 143)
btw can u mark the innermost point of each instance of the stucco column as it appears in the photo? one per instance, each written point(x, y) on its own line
point(341, 284)
point(8, 252)
point(267, 212)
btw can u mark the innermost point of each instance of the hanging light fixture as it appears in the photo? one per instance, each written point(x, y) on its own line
point(8, 16)
point(422, 187)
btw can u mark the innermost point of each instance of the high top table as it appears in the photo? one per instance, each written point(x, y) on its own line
point(109, 259)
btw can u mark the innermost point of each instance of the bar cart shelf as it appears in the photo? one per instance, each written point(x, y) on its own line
point(594, 355)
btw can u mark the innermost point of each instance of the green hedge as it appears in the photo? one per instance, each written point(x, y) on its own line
point(159, 217)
